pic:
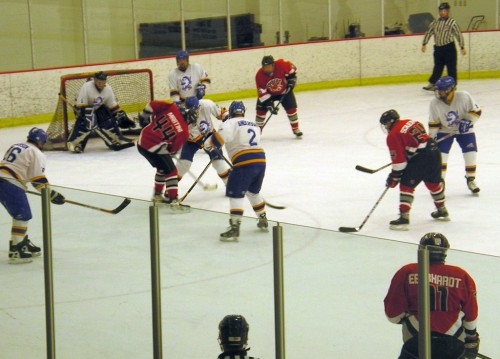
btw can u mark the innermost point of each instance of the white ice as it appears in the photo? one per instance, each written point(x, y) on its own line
point(334, 282)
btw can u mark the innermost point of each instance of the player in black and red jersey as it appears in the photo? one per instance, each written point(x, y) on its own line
point(164, 133)
point(453, 305)
point(415, 158)
point(275, 82)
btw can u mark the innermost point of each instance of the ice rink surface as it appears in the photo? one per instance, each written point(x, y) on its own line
point(315, 178)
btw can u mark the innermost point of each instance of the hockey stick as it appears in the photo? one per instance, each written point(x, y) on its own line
point(482, 356)
point(196, 181)
point(357, 229)
point(117, 210)
point(206, 186)
point(273, 112)
point(231, 165)
point(371, 171)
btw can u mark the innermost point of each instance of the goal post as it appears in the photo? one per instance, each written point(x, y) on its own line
point(133, 89)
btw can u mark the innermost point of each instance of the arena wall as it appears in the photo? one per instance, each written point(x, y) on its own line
point(31, 96)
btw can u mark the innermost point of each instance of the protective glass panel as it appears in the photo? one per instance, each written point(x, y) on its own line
point(158, 27)
point(15, 38)
point(110, 30)
point(57, 33)
point(334, 285)
point(356, 18)
point(305, 21)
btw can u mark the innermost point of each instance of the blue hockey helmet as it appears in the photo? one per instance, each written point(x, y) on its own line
point(101, 76)
point(37, 135)
point(233, 332)
point(191, 109)
point(438, 246)
point(182, 55)
point(444, 86)
point(192, 103)
point(236, 108)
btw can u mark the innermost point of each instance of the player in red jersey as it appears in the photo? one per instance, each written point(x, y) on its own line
point(275, 81)
point(415, 158)
point(453, 303)
point(164, 133)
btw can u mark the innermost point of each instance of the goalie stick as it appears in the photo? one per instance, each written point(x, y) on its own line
point(357, 229)
point(116, 210)
point(371, 171)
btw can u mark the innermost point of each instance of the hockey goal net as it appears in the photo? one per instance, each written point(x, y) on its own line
point(133, 90)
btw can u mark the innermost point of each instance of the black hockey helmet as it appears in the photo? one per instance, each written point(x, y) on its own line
point(233, 332)
point(390, 115)
point(438, 246)
point(444, 6)
point(267, 60)
point(101, 76)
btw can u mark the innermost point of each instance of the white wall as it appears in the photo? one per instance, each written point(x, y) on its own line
point(36, 92)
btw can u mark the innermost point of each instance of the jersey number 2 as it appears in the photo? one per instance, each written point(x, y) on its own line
point(252, 138)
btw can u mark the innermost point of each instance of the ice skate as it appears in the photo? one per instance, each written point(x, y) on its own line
point(34, 250)
point(402, 223)
point(298, 133)
point(429, 87)
point(233, 232)
point(262, 223)
point(471, 184)
point(174, 204)
point(441, 214)
point(19, 253)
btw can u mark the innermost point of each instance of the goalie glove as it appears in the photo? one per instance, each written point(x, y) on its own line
point(200, 91)
point(123, 120)
point(56, 197)
point(393, 179)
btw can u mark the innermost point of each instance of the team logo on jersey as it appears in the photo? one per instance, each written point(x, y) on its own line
point(275, 85)
point(98, 102)
point(186, 83)
point(452, 118)
point(204, 127)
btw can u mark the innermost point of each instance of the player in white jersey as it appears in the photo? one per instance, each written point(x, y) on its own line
point(200, 116)
point(187, 79)
point(97, 110)
point(23, 163)
point(455, 112)
point(241, 137)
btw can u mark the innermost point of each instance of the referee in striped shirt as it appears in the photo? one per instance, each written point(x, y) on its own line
point(444, 30)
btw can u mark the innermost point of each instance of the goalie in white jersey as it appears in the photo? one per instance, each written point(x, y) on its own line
point(200, 116)
point(97, 111)
point(241, 137)
point(187, 79)
point(23, 163)
point(455, 112)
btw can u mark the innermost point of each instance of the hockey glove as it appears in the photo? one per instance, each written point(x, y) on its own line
point(200, 91)
point(273, 109)
point(123, 120)
point(290, 84)
point(56, 197)
point(464, 126)
point(471, 346)
point(144, 119)
point(393, 179)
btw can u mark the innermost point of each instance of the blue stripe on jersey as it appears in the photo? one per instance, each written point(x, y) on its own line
point(7, 170)
point(249, 157)
point(39, 182)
